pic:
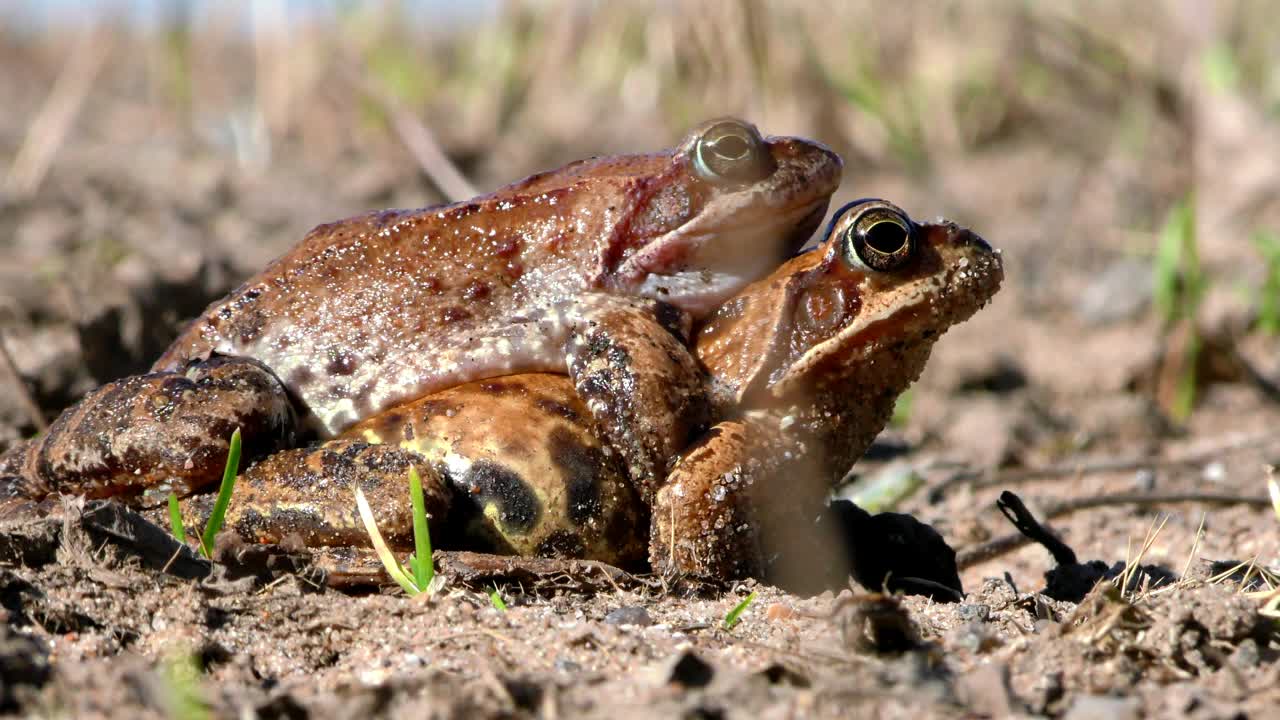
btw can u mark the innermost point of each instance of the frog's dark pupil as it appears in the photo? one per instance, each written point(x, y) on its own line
point(731, 147)
point(886, 236)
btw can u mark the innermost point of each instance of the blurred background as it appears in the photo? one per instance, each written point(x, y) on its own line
point(1123, 156)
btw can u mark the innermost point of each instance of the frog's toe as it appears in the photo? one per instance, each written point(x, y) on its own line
point(310, 494)
point(163, 430)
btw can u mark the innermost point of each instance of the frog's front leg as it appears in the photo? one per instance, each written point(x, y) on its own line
point(629, 362)
point(750, 500)
point(743, 502)
point(159, 430)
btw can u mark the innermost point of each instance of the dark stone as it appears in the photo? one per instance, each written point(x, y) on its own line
point(690, 671)
point(629, 615)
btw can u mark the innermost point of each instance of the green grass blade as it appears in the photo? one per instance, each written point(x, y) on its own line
point(1268, 244)
point(214, 525)
point(175, 519)
point(393, 566)
point(495, 599)
point(1175, 237)
point(180, 673)
point(885, 489)
point(1184, 396)
point(424, 569)
point(902, 408)
point(735, 614)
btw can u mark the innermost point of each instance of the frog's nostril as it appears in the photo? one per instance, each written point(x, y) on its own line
point(968, 237)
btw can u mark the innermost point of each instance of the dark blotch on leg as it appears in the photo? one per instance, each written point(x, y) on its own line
point(518, 507)
point(558, 409)
point(673, 319)
point(581, 467)
point(301, 376)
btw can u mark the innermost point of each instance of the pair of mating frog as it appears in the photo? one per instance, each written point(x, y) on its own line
point(621, 358)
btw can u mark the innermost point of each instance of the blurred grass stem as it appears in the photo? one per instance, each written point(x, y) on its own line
point(420, 140)
point(20, 388)
point(49, 128)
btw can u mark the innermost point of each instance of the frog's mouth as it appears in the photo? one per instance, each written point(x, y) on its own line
point(697, 270)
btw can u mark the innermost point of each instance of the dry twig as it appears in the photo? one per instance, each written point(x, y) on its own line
point(20, 388)
point(1006, 543)
point(991, 478)
point(419, 139)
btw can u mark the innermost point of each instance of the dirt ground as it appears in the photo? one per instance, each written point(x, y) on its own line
point(135, 197)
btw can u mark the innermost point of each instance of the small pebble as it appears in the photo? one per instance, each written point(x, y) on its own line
point(974, 637)
point(1247, 654)
point(565, 665)
point(1103, 706)
point(1215, 472)
point(629, 615)
point(974, 612)
point(780, 611)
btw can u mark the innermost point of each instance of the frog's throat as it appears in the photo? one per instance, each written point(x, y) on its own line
point(700, 265)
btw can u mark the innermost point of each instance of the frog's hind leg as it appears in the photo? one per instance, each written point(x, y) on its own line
point(309, 494)
point(164, 430)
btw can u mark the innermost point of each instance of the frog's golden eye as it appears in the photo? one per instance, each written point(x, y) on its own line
point(879, 238)
point(732, 152)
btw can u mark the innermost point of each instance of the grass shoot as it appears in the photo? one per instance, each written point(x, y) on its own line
point(416, 578)
point(1268, 244)
point(423, 569)
point(175, 518)
point(1273, 486)
point(734, 616)
point(1179, 288)
point(181, 682)
point(214, 525)
point(495, 599)
point(902, 408)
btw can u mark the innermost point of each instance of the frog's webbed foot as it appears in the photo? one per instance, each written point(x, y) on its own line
point(743, 502)
point(629, 362)
point(164, 429)
point(309, 494)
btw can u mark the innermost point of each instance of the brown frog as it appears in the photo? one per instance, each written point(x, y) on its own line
point(594, 270)
point(805, 367)
point(808, 365)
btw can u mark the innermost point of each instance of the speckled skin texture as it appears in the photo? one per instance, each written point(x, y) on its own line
point(306, 495)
